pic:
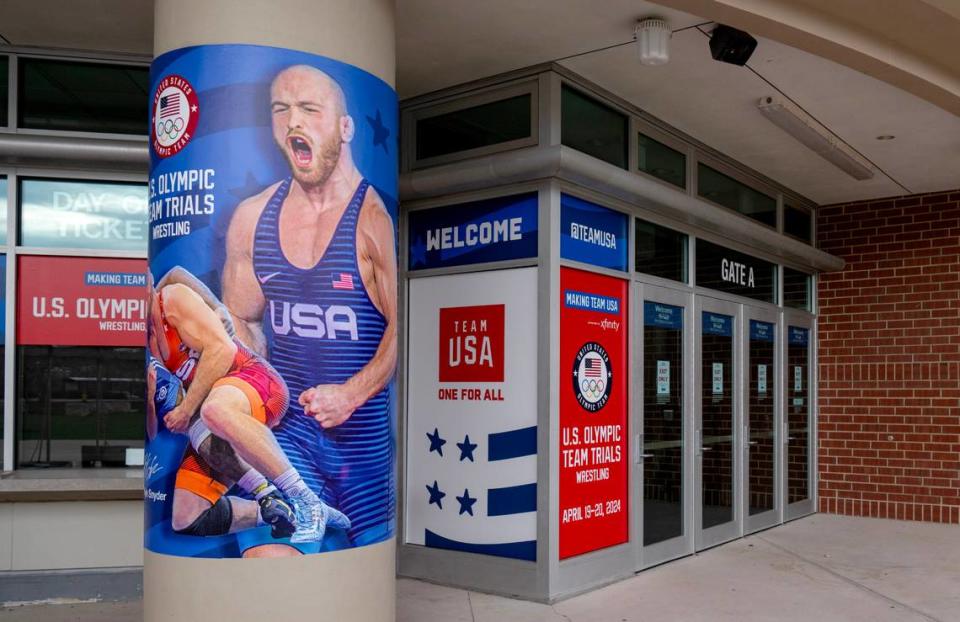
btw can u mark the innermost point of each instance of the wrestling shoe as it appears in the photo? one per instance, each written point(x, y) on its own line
point(313, 517)
point(277, 513)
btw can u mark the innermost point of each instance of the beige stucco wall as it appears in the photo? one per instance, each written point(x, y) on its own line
point(71, 534)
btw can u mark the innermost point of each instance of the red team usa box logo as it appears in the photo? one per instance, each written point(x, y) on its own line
point(471, 344)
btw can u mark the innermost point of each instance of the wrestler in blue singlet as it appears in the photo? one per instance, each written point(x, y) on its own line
point(323, 330)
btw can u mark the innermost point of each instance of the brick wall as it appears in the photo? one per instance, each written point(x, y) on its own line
point(890, 359)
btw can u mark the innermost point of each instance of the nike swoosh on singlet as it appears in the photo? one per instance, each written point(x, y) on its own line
point(266, 277)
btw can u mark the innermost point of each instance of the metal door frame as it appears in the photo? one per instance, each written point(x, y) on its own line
point(683, 544)
point(712, 536)
point(771, 517)
point(808, 505)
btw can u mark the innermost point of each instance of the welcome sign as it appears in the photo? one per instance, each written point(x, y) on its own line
point(496, 229)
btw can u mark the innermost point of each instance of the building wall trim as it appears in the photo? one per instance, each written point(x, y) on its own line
point(569, 165)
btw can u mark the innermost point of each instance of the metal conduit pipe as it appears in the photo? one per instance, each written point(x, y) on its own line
point(79, 152)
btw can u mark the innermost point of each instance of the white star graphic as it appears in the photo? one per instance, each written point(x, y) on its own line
point(193, 108)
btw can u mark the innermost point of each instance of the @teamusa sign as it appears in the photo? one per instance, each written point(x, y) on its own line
point(592, 376)
point(176, 111)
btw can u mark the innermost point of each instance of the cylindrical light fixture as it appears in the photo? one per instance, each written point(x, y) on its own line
point(653, 40)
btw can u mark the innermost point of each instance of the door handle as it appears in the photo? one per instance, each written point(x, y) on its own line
point(705, 448)
point(752, 442)
point(791, 438)
point(647, 455)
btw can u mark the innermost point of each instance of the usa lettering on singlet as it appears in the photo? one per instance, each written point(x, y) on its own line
point(324, 329)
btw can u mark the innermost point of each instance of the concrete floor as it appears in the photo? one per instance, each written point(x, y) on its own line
point(822, 568)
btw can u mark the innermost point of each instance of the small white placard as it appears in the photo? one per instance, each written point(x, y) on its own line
point(134, 456)
point(798, 378)
point(762, 379)
point(718, 378)
point(663, 378)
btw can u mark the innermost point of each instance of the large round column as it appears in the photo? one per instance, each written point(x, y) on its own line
point(355, 581)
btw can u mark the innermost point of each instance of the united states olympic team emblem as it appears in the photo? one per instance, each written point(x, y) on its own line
point(176, 111)
point(592, 376)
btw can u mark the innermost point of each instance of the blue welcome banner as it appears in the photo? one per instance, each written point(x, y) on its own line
point(497, 229)
point(717, 324)
point(761, 331)
point(592, 234)
point(662, 316)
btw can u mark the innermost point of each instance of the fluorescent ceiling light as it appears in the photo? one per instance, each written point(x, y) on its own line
point(791, 119)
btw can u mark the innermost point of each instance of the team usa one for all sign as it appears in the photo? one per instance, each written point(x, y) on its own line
point(471, 351)
point(472, 413)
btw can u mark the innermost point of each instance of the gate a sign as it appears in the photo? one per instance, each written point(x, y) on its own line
point(471, 344)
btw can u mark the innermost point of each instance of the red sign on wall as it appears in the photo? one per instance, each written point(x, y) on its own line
point(81, 301)
point(593, 412)
point(471, 344)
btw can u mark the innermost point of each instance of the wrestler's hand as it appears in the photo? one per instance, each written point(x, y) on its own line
point(177, 420)
point(329, 404)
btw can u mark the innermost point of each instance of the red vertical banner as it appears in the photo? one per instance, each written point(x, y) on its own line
point(594, 381)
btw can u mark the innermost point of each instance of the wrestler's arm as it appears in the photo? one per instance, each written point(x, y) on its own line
point(179, 274)
point(201, 330)
point(241, 291)
point(151, 405)
point(331, 405)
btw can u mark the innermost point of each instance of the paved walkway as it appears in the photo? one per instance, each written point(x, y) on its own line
point(822, 568)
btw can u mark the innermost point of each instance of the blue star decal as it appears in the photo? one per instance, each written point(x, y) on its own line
point(466, 502)
point(418, 253)
point(249, 188)
point(436, 495)
point(466, 448)
point(380, 132)
point(436, 443)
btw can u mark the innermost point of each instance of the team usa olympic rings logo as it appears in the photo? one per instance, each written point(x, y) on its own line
point(592, 376)
point(176, 110)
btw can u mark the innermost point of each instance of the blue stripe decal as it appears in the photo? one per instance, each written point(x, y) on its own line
point(512, 444)
point(517, 550)
point(512, 500)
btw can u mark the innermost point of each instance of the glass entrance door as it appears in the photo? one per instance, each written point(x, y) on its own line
point(799, 424)
point(664, 457)
point(760, 421)
point(718, 516)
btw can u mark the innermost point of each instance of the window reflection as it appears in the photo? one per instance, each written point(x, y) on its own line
point(82, 97)
point(595, 129)
point(83, 214)
point(79, 406)
point(474, 127)
point(727, 191)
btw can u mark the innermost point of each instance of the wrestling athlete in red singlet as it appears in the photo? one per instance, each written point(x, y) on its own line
point(233, 395)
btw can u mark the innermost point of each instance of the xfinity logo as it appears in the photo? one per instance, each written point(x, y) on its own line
point(313, 321)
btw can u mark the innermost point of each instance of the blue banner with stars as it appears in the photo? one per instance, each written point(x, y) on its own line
point(273, 196)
